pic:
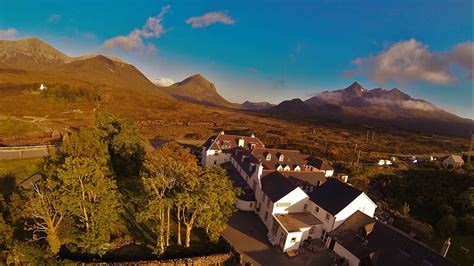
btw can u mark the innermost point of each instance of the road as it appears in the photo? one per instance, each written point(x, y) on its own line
point(8, 153)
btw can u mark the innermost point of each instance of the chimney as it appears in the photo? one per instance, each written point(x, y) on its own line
point(252, 135)
point(369, 228)
point(241, 142)
point(445, 248)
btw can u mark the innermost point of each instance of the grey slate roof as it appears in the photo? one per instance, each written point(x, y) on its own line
point(319, 164)
point(376, 243)
point(276, 186)
point(333, 196)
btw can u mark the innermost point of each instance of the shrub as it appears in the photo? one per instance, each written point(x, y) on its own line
point(447, 225)
point(466, 224)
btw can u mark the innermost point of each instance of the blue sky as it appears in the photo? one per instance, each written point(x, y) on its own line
point(271, 50)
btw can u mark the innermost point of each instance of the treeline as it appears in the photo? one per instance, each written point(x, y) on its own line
point(78, 206)
point(442, 198)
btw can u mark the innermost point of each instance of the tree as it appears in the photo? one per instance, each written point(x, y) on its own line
point(83, 143)
point(161, 171)
point(43, 207)
point(91, 198)
point(220, 197)
point(208, 203)
point(404, 211)
point(6, 235)
point(447, 225)
point(126, 146)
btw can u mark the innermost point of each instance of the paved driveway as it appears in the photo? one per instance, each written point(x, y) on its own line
point(247, 234)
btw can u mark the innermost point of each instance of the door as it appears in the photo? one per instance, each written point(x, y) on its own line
point(331, 244)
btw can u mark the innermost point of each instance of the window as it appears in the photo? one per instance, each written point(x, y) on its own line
point(275, 227)
point(328, 216)
point(293, 239)
point(269, 157)
point(305, 207)
point(281, 158)
point(251, 204)
point(266, 215)
point(263, 198)
point(268, 203)
point(316, 209)
point(311, 230)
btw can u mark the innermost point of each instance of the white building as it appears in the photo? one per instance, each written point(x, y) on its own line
point(292, 194)
point(363, 240)
point(218, 149)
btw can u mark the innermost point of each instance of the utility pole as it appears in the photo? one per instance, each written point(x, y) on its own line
point(358, 158)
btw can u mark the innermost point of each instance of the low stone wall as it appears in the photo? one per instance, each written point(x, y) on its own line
point(216, 259)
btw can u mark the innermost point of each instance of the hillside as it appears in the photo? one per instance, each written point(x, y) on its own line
point(256, 105)
point(378, 107)
point(78, 87)
point(197, 89)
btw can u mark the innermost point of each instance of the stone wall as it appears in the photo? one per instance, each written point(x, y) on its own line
point(216, 259)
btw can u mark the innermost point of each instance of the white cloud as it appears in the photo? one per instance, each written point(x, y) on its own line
point(53, 18)
point(163, 82)
point(153, 28)
point(411, 60)
point(8, 34)
point(209, 19)
point(463, 55)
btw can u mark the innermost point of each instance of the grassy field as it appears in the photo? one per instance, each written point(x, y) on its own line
point(455, 252)
point(13, 172)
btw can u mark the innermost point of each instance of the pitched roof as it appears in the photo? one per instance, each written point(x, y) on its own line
point(311, 177)
point(379, 244)
point(291, 158)
point(225, 141)
point(319, 164)
point(276, 186)
point(333, 196)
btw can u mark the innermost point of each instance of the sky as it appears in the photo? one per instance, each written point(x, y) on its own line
point(271, 50)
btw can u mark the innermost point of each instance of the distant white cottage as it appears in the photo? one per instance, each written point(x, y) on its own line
point(42, 87)
point(453, 161)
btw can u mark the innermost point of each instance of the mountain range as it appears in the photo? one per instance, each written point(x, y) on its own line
point(30, 61)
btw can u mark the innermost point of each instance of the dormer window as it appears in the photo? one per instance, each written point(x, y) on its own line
point(279, 167)
point(297, 168)
point(286, 168)
point(281, 157)
point(268, 157)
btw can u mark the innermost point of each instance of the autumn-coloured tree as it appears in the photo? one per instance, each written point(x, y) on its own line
point(161, 172)
point(91, 197)
point(44, 209)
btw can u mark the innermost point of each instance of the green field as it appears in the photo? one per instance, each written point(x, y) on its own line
point(455, 252)
point(13, 172)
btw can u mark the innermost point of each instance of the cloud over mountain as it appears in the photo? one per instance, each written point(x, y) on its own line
point(411, 60)
point(153, 28)
point(8, 34)
point(209, 19)
point(163, 82)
